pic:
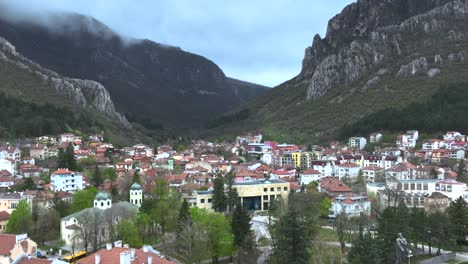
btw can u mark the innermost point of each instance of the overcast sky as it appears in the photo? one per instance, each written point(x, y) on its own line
point(260, 41)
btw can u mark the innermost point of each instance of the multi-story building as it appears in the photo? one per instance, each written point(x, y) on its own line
point(352, 205)
point(257, 195)
point(432, 144)
point(39, 151)
point(308, 176)
point(347, 170)
point(10, 152)
point(66, 180)
point(450, 188)
point(296, 159)
point(326, 168)
point(373, 174)
point(407, 140)
point(10, 200)
point(375, 137)
point(357, 142)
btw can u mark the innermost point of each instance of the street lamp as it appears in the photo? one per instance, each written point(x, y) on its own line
point(410, 254)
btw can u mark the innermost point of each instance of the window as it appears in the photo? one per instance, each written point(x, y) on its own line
point(285, 188)
point(265, 197)
point(418, 187)
point(272, 189)
point(209, 200)
point(425, 187)
point(406, 186)
point(265, 189)
point(278, 189)
point(108, 202)
point(272, 197)
point(202, 200)
point(102, 204)
point(412, 186)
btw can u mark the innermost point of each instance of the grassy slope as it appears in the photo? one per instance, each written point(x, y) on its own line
point(283, 114)
point(28, 91)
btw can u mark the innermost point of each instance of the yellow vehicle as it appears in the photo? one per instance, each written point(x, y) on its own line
point(73, 258)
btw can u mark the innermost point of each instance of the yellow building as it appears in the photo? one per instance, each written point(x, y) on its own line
point(4, 216)
point(298, 159)
point(257, 195)
point(203, 199)
point(9, 201)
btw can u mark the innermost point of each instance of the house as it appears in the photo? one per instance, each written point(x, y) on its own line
point(450, 188)
point(66, 180)
point(347, 170)
point(39, 151)
point(28, 170)
point(452, 135)
point(125, 255)
point(4, 216)
point(9, 152)
point(456, 154)
point(123, 165)
point(15, 247)
point(10, 200)
point(357, 142)
point(352, 205)
point(373, 174)
point(8, 165)
point(308, 176)
point(407, 140)
point(432, 144)
point(69, 137)
point(275, 175)
point(246, 175)
point(6, 182)
point(333, 186)
point(203, 199)
point(325, 167)
point(104, 213)
point(398, 172)
point(375, 138)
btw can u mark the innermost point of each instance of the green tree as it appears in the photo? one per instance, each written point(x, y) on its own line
point(219, 197)
point(458, 219)
point(240, 226)
point(136, 176)
point(29, 184)
point(96, 178)
point(434, 174)
point(83, 199)
point(461, 174)
point(232, 198)
point(325, 205)
point(184, 213)
point(130, 235)
point(20, 220)
point(61, 159)
point(216, 233)
point(291, 239)
point(70, 157)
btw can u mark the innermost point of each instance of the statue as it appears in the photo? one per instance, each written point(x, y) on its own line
point(402, 249)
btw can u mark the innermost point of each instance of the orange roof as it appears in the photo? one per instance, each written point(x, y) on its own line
point(63, 171)
point(349, 165)
point(113, 256)
point(8, 242)
point(310, 171)
point(332, 184)
point(25, 260)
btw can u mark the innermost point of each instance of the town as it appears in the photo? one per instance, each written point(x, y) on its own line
point(68, 197)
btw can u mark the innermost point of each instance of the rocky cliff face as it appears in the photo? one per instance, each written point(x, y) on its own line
point(146, 80)
point(84, 93)
point(370, 33)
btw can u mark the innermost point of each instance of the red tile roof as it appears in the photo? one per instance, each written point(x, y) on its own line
point(63, 171)
point(332, 184)
point(310, 171)
point(8, 242)
point(113, 256)
point(4, 215)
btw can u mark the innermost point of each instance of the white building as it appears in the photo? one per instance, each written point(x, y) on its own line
point(347, 170)
point(357, 142)
point(69, 137)
point(308, 176)
point(326, 168)
point(452, 135)
point(432, 144)
point(373, 173)
point(352, 205)
point(101, 217)
point(8, 165)
point(450, 188)
point(136, 194)
point(375, 137)
point(407, 140)
point(66, 180)
point(9, 152)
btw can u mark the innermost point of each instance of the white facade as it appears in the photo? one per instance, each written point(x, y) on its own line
point(450, 188)
point(357, 142)
point(432, 144)
point(136, 194)
point(347, 170)
point(308, 176)
point(326, 168)
point(352, 206)
point(66, 180)
point(375, 137)
point(8, 164)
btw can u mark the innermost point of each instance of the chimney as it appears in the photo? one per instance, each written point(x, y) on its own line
point(97, 259)
point(125, 257)
point(108, 246)
point(145, 249)
point(132, 253)
point(150, 259)
point(118, 243)
point(126, 246)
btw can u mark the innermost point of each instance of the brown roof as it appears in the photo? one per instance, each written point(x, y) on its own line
point(310, 171)
point(372, 168)
point(332, 184)
point(4, 215)
point(25, 260)
point(113, 256)
point(8, 242)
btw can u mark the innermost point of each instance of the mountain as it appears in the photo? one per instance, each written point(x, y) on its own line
point(377, 56)
point(151, 84)
point(36, 101)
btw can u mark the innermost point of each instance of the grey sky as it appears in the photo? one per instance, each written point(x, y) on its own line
point(260, 41)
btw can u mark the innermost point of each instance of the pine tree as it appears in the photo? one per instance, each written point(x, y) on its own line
point(240, 225)
point(184, 212)
point(290, 239)
point(461, 175)
point(219, 197)
point(70, 157)
point(458, 219)
point(61, 159)
point(136, 177)
point(97, 177)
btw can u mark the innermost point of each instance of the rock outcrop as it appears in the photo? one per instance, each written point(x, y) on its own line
point(84, 93)
point(369, 33)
